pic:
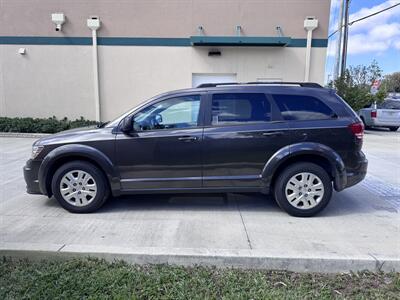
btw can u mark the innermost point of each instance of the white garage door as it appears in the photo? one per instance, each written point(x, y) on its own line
point(199, 78)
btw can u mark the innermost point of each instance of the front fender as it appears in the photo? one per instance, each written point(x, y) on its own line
point(77, 150)
point(306, 148)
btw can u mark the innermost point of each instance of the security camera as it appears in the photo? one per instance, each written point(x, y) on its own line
point(58, 19)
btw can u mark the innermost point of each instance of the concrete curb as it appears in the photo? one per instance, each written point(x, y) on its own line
point(245, 259)
point(23, 135)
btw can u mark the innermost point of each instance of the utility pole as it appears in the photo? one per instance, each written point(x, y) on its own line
point(339, 42)
point(345, 37)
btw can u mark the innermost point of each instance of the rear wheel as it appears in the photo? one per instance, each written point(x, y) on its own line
point(303, 189)
point(393, 128)
point(80, 187)
point(365, 125)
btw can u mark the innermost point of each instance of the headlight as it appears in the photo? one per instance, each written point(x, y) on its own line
point(36, 150)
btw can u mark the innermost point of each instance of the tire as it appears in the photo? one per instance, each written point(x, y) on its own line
point(393, 128)
point(92, 188)
point(316, 203)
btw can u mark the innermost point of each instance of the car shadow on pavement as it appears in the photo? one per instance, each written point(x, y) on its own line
point(193, 202)
point(340, 205)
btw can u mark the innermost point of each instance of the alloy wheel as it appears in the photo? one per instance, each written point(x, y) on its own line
point(78, 188)
point(304, 190)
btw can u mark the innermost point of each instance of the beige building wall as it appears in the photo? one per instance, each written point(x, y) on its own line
point(58, 79)
point(163, 18)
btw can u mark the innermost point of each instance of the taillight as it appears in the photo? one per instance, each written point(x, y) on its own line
point(357, 129)
point(374, 114)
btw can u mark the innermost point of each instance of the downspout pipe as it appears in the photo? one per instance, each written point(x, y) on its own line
point(310, 23)
point(94, 24)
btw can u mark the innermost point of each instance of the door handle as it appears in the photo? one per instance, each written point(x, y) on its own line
point(272, 133)
point(187, 138)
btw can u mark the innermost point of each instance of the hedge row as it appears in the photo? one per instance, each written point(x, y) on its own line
point(49, 125)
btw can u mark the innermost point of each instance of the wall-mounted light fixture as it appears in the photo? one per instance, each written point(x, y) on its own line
point(58, 19)
point(22, 51)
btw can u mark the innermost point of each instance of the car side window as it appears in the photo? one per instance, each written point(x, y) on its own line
point(173, 113)
point(301, 107)
point(236, 108)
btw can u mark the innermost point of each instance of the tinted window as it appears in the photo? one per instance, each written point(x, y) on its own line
point(179, 112)
point(298, 107)
point(236, 108)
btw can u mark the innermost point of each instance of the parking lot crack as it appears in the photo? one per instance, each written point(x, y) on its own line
point(244, 226)
point(378, 264)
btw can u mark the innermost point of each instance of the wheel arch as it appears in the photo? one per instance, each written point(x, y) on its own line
point(316, 153)
point(72, 152)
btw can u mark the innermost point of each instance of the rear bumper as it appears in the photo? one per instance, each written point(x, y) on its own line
point(31, 170)
point(348, 177)
point(383, 123)
point(358, 174)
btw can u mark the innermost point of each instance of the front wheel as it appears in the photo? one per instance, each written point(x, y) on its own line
point(393, 128)
point(303, 189)
point(80, 187)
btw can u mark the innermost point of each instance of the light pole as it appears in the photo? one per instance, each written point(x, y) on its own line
point(345, 37)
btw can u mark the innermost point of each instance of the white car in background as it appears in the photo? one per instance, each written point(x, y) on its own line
point(385, 114)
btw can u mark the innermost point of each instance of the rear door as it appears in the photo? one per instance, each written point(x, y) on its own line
point(312, 120)
point(241, 134)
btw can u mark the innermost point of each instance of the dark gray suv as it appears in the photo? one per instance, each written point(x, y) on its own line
point(296, 141)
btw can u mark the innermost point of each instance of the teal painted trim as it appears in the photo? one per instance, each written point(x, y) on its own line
point(106, 41)
point(128, 41)
point(239, 41)
point(44, 40)
point(183, 42)
point(317, 43)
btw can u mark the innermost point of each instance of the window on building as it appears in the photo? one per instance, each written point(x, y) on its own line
point(233, 108)
point(299, 107)
point(178, 112)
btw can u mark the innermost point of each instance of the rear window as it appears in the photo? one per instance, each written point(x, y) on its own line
point(389, 104)
point(299, 107)
point(236, 108)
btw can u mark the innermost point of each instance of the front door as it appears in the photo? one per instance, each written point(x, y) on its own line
point(241, 135)
point(163, 152)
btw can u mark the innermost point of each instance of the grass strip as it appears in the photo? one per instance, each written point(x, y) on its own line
point(98, 279)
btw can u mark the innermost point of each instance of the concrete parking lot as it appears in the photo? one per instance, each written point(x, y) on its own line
point(359, 229)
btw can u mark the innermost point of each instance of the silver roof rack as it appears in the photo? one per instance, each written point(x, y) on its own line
point(278, 83)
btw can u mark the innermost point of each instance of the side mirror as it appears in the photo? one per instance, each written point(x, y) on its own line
point(127, 125)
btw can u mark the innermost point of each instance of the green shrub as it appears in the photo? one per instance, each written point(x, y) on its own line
point(37, 125)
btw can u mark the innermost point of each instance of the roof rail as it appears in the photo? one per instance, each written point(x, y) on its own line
point(302, 84)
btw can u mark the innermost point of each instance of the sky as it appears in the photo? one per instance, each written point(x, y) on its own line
point(377, 37)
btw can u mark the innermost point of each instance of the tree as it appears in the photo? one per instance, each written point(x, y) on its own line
point(354, 86)
point(391, 83)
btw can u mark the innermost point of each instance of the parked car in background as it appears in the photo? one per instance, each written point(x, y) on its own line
point(296, 141)
point(385, 114)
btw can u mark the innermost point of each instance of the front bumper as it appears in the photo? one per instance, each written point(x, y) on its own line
point(31, 170)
